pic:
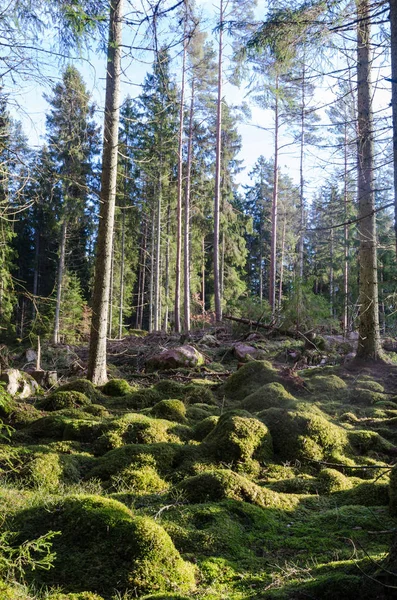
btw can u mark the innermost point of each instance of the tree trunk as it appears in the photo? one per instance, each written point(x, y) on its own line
point(273, 243)
point(100, 306)
point(177, 308)
point(157, 282)
point(393, 55)
point(203, 281)
point(36, 270)
point(346, 246)
point(369, 338)
point(110, 316)
point(61, 268)
point(280, 285)
point(302, 180)
point(186, 239)
point(143, 280)
point(217, 292)
point(151, 283)
point(122, 261)
point(167, 270)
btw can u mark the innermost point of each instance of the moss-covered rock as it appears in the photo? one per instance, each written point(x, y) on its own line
point(83, 386)
point(134, 428)
point(330, 481)
point(172, 410)
point(168, 389)
point(160, 455)
point(367, 441)
point(199, 394)
point(117, 387)
point(239, 440)
point(98, 410)
point(220, 484)
point(204, 427)
point(64, 399)
point(102, 546)
point(368, 493)
point(327, 385)
point(366, 396)
point(142, 398)
point(304, 434)
point(78, 596)
point(23, 414)
point(268, 396)
point(144, 480)
point(248, 379)
point(62, 427)
point(369, 384)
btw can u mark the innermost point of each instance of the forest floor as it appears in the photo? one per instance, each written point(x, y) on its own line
point(237, 479)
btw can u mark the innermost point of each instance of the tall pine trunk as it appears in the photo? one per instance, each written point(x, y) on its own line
point(61, 268)
point(177, 308)
point(186, 238)
point(393, 53)
point(301, 177)
point(273, 242)
point(217, 290)
point(100, 306)
point(369, 338)
point(122, 267)
point(157, 281)
point(346, 244)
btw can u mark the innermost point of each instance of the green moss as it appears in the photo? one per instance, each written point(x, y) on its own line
point(369, 384)
point(7, 404)
point(366, 441)
point(97, 410)
point(205, 427)
point(168, 389)
point(117, 387)
point(64, 399)
point(248, 379)
point(161, 455)
point(269, 395)
point(165, 597)
point(172, 410)
point(102, 547)
point(43, 471)
point(393, 491)
point(367, 493)
point(330, 481)
point(145, 480)
point(222, 484)
point(199, 394)
point(302, 484)
point(303, 434)
point(135, 428)
point(195, 414)
point(78, 596)
point(10, 591)
point(366, 396)
point(239, 440)
point(83, 386)
point(143, 398)
point(327, 385)
point(23, 414)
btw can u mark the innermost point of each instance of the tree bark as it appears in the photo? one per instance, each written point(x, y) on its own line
point(273, 243)
point(61, 268)
point(217, 294)
point(100, 307)
point(369, 338)
point(346, 245)
point(280, 285)
point(158, 253)
point(393, 55)
point(186, 239)
point(121, 303)
point(302, 180)
point(177, 308)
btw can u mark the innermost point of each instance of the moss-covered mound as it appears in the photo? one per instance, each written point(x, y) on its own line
point(248, 379)
point(168, 389)
point(161, 456)
point(134, 428)
point(367, 397)
point(393, 491)
point(204, 427)
point(303, 434)
point(103, 547)
point(62, 427)
point(23, 414)
point(142, 479)
point(172, 410)
point(327, 385)
point(64, 399)
point(217, 485)
point(83, 386)
point(117, 387)
point(199, 394)
point(239, 440)
point(268, 396)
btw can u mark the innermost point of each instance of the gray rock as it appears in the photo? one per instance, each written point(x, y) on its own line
point(174, 358)
point(19, 384)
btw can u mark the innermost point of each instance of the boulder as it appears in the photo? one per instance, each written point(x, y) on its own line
point(19, 384)
point(31, 355)
point(245, 352)
point(174, 358)
point(209, 340)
